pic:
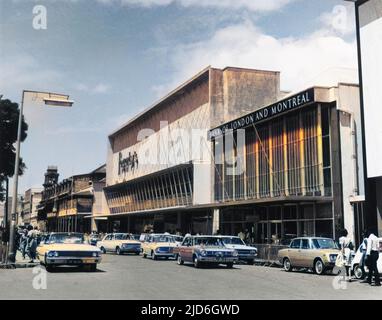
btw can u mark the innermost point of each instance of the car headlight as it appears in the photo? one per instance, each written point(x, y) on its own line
point(52, 254)
point(333, 257)
point(253, 252)
point(95, 254)
point(203, 253)
point(235, 254)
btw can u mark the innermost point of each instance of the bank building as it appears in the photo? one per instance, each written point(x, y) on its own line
point(228, 151)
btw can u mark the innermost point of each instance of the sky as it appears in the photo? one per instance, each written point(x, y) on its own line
point(117, 57)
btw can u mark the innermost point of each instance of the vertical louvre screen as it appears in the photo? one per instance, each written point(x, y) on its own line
point(281, 157)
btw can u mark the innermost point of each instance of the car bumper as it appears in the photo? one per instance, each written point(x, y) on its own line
point(246, 257)
point(165, 254)
point(130, 250)
point(216, 260)
point(72, 261)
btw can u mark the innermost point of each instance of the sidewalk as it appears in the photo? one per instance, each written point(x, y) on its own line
point(20, 263)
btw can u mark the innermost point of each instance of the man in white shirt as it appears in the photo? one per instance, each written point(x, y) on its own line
point(372, 255)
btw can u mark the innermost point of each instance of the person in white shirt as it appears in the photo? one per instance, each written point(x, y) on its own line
point(347, 247)
point(372, 256)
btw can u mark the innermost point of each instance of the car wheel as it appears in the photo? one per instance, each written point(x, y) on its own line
point(230, 265)
point(93, 267)
point(176, 256)
point(144, 255)
point(49, 268)
point(358, 271)
point(153, 255)
point(196, 262)
point(137, 253)
point(287, 265)
point(118, 251)
point(251, 262)
point(179, 260)
point(103, 250)
point(319, 267)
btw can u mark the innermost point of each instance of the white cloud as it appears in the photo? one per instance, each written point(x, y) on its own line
point(253, 5)
point(300, 60)
point(340, 19)
point(99, 88)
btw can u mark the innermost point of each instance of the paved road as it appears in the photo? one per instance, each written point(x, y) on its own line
point(132, 277)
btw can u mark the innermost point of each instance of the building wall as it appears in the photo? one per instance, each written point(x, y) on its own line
point(236, 91)
point(351, 150)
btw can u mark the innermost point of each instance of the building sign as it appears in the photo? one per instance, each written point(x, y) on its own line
point(128, 163)
point(273, 110)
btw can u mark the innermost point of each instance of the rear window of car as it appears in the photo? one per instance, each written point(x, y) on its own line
point(295, 244)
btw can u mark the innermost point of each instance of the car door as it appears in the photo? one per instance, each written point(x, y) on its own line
point(293, 251)
point(188, 249)
point(108, 242)
point(303, 257)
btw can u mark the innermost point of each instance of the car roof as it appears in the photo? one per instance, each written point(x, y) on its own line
point(297, 238)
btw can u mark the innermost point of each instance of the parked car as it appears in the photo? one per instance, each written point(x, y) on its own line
point(63, 248)
point(178, 242)
point(159, 245)
point(316, 253)
point(119, 243)
point(360, 273)
point(206, 250)
point(93, 239)
point(245, 253)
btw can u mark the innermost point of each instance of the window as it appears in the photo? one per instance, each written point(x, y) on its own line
point(324, 210)
point(295, 244)
point(305, 244)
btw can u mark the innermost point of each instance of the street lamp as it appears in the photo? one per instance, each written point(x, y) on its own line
point(49, 98)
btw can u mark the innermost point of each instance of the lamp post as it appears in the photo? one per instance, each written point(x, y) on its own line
point(49, 98)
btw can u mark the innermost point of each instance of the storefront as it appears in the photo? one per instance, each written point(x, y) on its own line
point(286, 170)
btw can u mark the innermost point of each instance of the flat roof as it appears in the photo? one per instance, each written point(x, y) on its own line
point(199, 76)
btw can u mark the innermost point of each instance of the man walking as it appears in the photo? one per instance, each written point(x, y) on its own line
point(372, 255)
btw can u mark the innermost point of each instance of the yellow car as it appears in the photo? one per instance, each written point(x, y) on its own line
point(319, 254)
point(159, 246)
point(119, 243)
point(65, 248)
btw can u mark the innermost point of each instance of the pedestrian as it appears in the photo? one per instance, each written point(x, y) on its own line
point(362, 248)
point(372, 255)
point(4, 243)
point(32, 243)
point(24, 243)
point(241, 235)
point(346, 246)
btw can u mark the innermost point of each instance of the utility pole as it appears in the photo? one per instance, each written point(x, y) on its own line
point(53, 99)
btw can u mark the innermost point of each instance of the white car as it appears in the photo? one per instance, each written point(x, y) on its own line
point(245, 253)
point(359, 273)
point(119, 243)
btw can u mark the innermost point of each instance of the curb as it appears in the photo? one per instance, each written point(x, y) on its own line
point(18, 265)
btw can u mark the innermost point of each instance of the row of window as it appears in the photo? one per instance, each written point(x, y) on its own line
point(168, 190)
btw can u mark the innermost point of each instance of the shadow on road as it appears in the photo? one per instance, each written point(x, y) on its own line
point(68, 269)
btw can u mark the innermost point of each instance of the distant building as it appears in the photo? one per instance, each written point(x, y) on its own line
point(32, 198)
point(68, 205)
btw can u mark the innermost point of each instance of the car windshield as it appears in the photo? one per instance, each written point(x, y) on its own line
point(233, 240)
point(324, 244)
point(122, 236)
point(178, 238)
point(217, 242)
point(74, 238)
point(163, 238)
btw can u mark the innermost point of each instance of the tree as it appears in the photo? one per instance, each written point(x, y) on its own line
point(9, 116)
